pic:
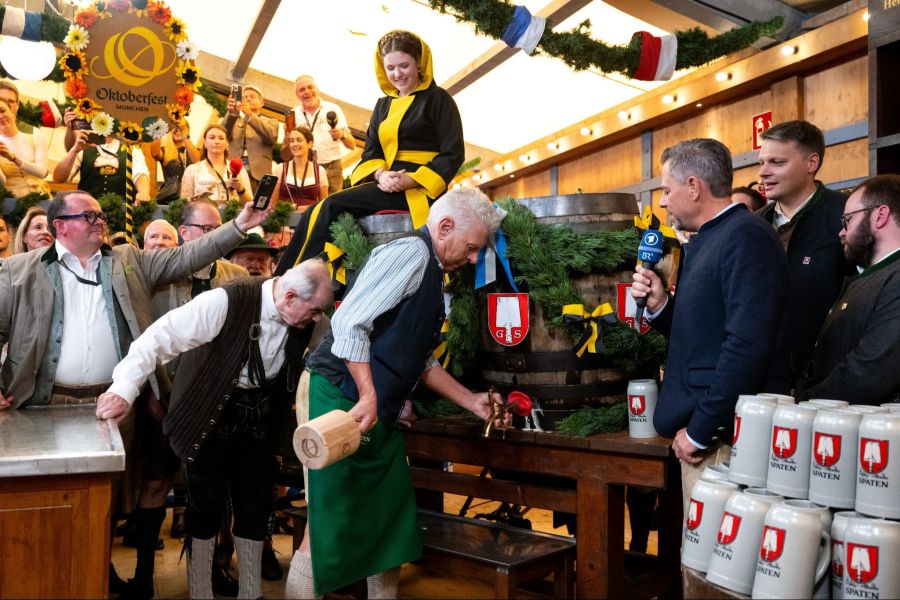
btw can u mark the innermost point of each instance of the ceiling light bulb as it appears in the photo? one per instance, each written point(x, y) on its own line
point(699, 105)
point(552, 146)
point(498, 166)
point(723, 76)
point(523, 157)
point(866, 16)
point(585, 131)
point(789, 50)
point(623, 115)
point(477, 176)
point(667, 99)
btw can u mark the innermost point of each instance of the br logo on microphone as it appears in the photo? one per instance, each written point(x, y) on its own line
point(862, 562)
point(784, 442)
point(728, 530)
point(637, 404)
point(873, 455)
point(772, 544)
point(737, 430)
point(695, 515)
point(826, 449)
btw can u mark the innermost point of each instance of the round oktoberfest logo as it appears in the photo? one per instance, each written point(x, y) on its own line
point(129, 69)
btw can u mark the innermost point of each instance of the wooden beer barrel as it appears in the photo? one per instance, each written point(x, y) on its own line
point(381, 229)
point(544, 365)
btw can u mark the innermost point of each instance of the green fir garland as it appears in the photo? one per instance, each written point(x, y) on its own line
point(172, 212)
point(279, 217)
point(212, 97)
point(542, 257)
point(580, 51)
point(590, 420)
point(114, 207)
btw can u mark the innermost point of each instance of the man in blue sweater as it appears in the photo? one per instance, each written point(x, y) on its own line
point(724, 321)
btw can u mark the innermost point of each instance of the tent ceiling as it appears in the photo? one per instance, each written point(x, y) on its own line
point(508, 106)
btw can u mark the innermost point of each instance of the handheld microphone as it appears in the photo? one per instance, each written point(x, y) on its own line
point(331, 118)
point(235, 165)
point(649, 253)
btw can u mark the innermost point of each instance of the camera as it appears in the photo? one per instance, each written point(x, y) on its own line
point(237, 91)
point(92, 138)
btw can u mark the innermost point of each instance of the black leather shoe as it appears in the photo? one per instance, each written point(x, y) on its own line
point(223, 583)
point(271, 569)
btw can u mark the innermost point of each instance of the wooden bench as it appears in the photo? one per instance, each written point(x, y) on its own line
point(497, 554)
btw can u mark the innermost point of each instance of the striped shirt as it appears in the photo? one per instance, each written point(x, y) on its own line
point(393, 273)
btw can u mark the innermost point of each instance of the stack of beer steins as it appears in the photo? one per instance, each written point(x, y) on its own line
point(815, 513)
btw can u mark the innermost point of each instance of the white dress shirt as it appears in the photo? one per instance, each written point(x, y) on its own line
point(88, 351)
point(194, 324)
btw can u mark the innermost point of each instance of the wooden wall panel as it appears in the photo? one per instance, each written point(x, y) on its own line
point(603, 171)
point(729, 123)
point(838, 96)
point(529, 186)
point(845, 161)
point(746, 176)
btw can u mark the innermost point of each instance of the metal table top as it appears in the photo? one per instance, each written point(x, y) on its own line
point(58, 440)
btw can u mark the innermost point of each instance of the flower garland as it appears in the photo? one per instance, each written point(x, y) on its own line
point(498, 19)
point(76, 69)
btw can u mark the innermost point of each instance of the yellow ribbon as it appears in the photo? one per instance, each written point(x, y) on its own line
point(575, 313)
point(333, 254)
point(440, 353)
point(646, 221)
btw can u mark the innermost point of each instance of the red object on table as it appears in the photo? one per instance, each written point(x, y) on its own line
point(519, 403)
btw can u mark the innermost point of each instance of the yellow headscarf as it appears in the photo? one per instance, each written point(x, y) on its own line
point(424, 69)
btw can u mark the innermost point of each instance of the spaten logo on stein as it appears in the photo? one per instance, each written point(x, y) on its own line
point(772, 544)
point(737, 430)
point(862, 562)
point(728, 530)
point(695, 515)
point(637, 404)
point(837, 564)
point(826, 449)
point(784, 442)
point(873, 455)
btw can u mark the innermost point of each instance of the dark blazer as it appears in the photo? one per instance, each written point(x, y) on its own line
point(722, 324)
point(857, 357)
point(817, 270)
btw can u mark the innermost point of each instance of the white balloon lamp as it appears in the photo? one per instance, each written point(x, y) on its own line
point(28, 61)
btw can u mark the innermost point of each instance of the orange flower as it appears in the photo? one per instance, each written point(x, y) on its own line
point(184, 95)
point(159, 12)
point(76, 88)
point(86, 17)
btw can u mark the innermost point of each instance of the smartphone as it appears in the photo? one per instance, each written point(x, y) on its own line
point(92, 138)
point(237, 91)
point(264, 192)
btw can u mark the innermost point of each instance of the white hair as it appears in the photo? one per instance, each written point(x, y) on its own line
point(306, 279)
point(466, 206)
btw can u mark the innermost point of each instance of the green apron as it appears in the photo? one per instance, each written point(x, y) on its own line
point(362, 509)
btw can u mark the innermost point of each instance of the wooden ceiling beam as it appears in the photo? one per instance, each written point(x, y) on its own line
point(555, 12)
point(254, 38)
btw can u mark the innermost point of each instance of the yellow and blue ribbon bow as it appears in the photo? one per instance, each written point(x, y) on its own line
point(441, 353)
point(591, 340)
point(334, 258)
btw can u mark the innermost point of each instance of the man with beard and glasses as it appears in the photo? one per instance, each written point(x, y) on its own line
point(858, 350)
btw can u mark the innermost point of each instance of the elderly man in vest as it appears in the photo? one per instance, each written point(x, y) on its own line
point(362, 520)
point(243, 347)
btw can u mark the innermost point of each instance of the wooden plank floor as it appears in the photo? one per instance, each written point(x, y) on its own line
point(415, 581)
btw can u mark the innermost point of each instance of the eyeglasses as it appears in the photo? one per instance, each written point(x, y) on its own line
point(845, 218)
point(203, 228)
point(89, 215)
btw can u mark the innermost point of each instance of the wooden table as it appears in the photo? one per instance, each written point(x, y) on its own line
point(600, 466)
